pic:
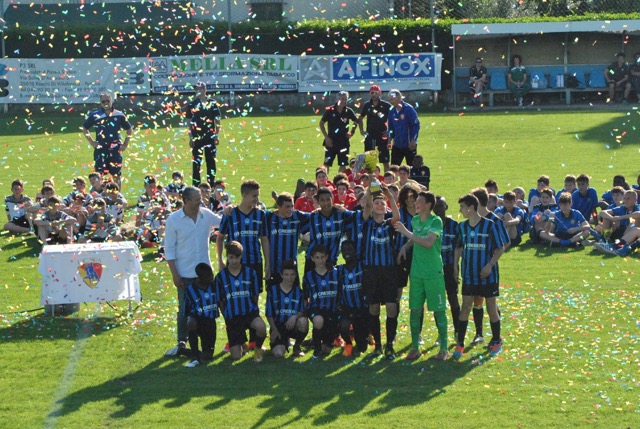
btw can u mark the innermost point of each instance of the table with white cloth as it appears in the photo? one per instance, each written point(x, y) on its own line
point(93, 272)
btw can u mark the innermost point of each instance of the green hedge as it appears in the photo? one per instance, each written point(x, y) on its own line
point(310, 37)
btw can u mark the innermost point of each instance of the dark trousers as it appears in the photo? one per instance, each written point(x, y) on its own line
point(209, 152)
point(400, 153)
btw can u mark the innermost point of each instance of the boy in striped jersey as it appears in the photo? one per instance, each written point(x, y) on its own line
point(479, 248)
point(449, 236)
point(237, 288)
point(379, 278)
point(321, 291)
point(202, 310)
point(352, 307)
point(284, 227)
point(326, 227)
point(248, 225)
point(483, 210)
point(285, 312)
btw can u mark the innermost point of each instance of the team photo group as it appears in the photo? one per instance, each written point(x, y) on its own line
point(331, 253)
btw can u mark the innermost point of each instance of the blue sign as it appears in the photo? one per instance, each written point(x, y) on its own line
point(372, 68)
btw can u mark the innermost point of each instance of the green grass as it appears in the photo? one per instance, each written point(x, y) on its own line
point(570, 317)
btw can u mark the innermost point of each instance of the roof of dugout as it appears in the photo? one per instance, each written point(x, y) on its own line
point(489, 30)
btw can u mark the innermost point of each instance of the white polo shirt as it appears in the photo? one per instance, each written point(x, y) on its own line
point(187, 242)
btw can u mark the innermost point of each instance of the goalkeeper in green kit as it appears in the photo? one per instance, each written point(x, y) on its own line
point(427, 277)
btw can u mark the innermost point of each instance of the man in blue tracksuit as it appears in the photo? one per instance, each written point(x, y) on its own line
point(404, 127)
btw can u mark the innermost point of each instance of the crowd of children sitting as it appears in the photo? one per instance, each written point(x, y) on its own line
point(97, 214)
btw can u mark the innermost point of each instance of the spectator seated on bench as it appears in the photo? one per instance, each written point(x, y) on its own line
point(617, 77)
point(518, 79)
point(477, 81)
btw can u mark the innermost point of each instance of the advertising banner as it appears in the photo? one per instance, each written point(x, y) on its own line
point(69, 81)
point(225, 72)
point(358, 72)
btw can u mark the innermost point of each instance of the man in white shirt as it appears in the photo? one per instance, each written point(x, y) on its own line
point(186, 244)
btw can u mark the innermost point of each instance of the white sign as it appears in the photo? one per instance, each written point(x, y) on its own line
point(69, 81)
point(226, 72)
point(95, 272)
point(358, 72)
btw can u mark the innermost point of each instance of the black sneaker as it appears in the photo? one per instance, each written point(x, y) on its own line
point(389, 352)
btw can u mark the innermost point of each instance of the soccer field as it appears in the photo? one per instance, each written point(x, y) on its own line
point(570, 316)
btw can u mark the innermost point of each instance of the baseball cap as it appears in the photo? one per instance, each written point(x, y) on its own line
point(375, 88)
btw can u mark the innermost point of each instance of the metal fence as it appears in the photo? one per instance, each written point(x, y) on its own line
point(461, 9)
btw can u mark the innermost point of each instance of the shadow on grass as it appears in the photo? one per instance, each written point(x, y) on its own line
point(617, 131)
point(285, 391)
point(46, 327)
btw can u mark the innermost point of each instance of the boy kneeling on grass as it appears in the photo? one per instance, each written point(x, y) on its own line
point(202, 309)
point(320, 286)
point(237, 288)
point(285, 312)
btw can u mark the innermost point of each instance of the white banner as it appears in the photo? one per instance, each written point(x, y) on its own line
point(94, 272)
point(69, 81)
point(358, 72)
point(225, 72)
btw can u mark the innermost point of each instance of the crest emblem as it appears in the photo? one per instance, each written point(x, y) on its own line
point(90, 272)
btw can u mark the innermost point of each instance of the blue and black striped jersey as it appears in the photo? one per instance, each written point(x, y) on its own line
point(478, 244)
point(322, 291)
point(237, 294)
point(328, 231)
point(352, 294)
point(378, 243)
point(282, 305)
point(201, 302)
point(449, 235)
point(283, 237)
point(247, 230)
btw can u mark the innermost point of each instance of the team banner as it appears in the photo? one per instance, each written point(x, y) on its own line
point(357, 72)
point(225, 72)
point(69, 81)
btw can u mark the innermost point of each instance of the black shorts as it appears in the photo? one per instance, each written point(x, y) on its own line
point(486, 291)
point(403, 270)
point(108, 162)
point(237, 328)
point(325, 314)
point(380, 284)
point(377, 142)
point(516, 240)
point(20, 221)
point(341, 151)
point(285, 335)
